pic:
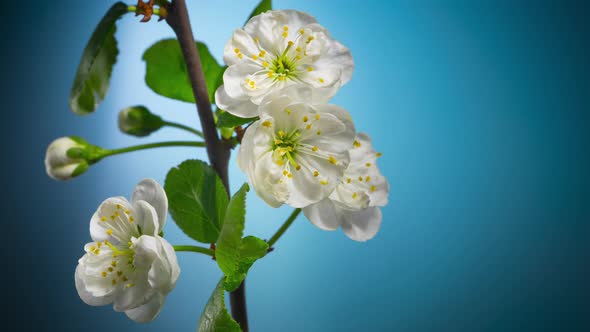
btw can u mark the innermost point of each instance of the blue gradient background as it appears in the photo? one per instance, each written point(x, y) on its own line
point(480, 109)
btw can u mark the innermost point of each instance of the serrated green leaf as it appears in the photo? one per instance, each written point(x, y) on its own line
point(263, 6)
point(228, 120)
point(215, 317)
point(251, 249)
point(233, 254)
point(197, 200)
point(94, 71)
point(166, 72)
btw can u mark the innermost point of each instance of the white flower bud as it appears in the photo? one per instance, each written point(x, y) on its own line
point(68, 157)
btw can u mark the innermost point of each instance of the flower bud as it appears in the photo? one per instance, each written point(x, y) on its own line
point(139, 121)
point(68, 157)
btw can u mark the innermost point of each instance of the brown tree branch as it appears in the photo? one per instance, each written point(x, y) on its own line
point(218, 150)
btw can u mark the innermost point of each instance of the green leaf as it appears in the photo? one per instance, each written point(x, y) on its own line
point(166, 72)
point(263, 6)
point(251, 249)
point(233, 254)
point(228, 120)
point(215, 317)
point(94, 71)
point(197, 200)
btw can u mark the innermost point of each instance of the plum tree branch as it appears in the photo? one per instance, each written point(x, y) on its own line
point(218, 150)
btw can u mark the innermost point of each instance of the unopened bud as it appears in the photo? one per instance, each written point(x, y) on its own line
point(68, 157)
point(139, 121)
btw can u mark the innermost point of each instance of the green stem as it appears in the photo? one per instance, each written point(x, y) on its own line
point(198, 249)
point(183, 127)
point(151, 146)
point(284, 228)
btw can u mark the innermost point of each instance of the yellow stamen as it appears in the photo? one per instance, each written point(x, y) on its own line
point(323, 182)
point(316, 173)
point(357, 144)
point(368, 164)
point(317, 116)
point(305, 119)
point(332, 160)
point(314, 149)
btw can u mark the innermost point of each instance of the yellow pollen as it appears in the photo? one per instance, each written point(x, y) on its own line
point(267, 124)
point(110, 269)
point(379, 154)
point(240, 55)
point(130, 285)
point(288, 111)
point(281, 133)
point(323, 182)
point(332, 160)
point(290, 43)
point(285, 34)
point(308, 127)
point(127, 212)
point(104, 274)
point(357, 144)
point(298, 167)
point(298, 57)
point(237, 50)
point(348, 180)
point(285, 172)
point(281, 78)
point(125, 279)
point(119, 273)
point(309, 69)
point(360, 178)
point(114, 281)
point(305, 119)
point(319, 132)
point(114, 263)
point(368, 164)
point(321, 80)
point(109, 231)
point(131, 219)
point(367, 179)
point(271, 74)
point(103, 218)
point(262, 53)
point(252, 83)
point(317, 116)
point(289, 175)
point(119, 206)
point(116, 213)
point(314, 149)
point(256, 39)
point(112, 217)
point(92, 248)
point(99, 244)
point(255, 57)
point(298, 49)
point(373, 188)
point(316, 173)
point(286, 28)
point(97, 251)
point(264, 64)
point(354, 195)
point(301, 31)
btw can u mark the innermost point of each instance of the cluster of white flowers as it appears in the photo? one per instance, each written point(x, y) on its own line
point(284, 67)
point(128, 264)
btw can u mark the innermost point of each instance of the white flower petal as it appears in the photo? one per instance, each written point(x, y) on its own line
point(362, 225)
point(152, 192)
point(82, 280)
point(147, 218)
point(113, 216)
point(149, 311)
point(323, 215)
point(241, 107)
point(158, 256)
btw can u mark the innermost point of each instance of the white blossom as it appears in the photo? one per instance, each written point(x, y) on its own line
point(277, 49)
point(354, 204)
point(297, 152)
point(128, 264)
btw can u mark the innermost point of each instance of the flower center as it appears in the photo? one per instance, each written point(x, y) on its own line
point(284, 147)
